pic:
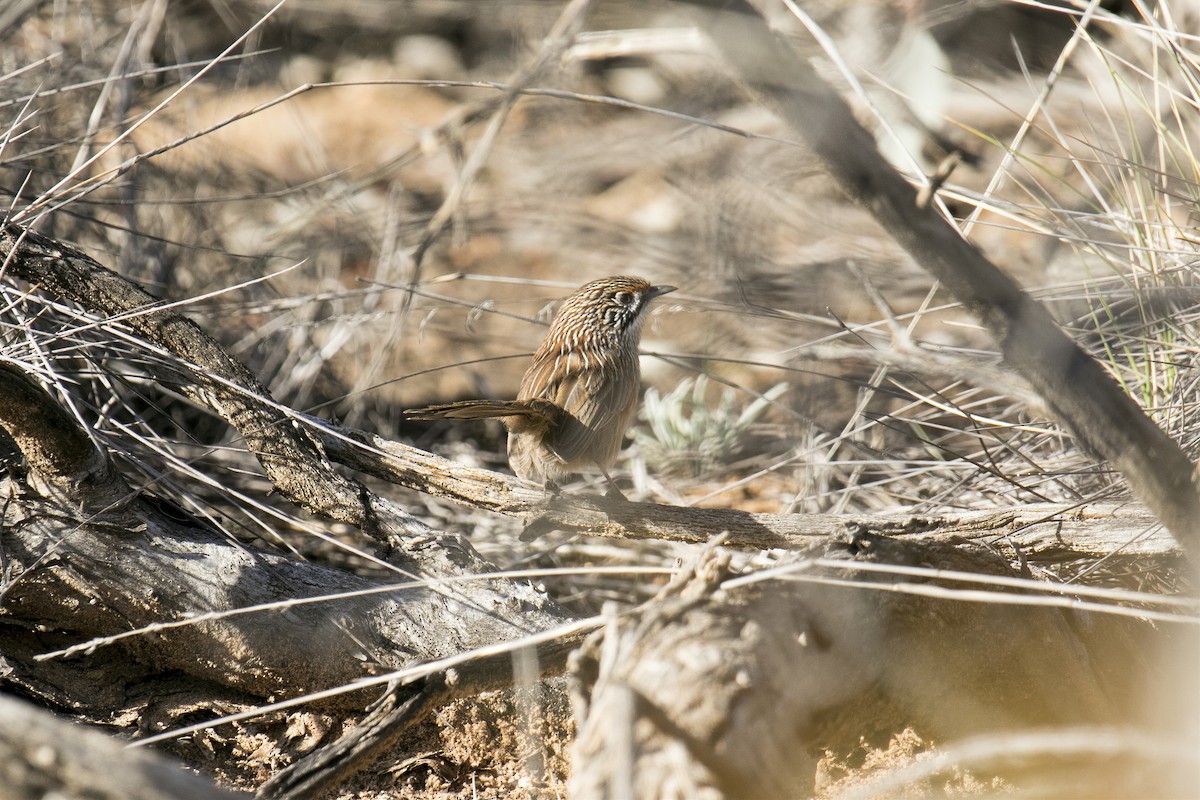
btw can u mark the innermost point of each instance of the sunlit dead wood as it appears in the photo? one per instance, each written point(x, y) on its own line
point(42, 756)
point(720, 690)
point(1049, 532)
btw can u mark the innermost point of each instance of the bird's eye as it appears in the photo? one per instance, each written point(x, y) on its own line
point(624, 298)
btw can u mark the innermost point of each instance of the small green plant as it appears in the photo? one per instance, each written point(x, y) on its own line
point(685, 433)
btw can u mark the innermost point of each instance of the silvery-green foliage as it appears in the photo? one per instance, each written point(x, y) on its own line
point(687, 432)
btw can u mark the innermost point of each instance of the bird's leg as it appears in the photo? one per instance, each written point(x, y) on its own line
point(614, 492)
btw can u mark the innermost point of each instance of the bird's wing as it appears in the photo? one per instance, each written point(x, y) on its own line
point(595, 406)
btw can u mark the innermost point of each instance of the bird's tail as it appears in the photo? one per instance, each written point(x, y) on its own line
point(483, 409)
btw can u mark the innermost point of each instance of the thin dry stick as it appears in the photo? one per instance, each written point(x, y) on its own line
point(119, 66)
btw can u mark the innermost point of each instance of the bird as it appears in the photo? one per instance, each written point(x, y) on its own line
point(581, 390)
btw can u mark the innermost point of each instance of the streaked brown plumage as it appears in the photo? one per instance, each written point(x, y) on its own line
point(580, 393)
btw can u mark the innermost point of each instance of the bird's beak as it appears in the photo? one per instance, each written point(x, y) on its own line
point(655, 291)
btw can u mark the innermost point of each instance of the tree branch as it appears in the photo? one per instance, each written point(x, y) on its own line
point(1081, 394)
point(64, 464)
point(1049, 532)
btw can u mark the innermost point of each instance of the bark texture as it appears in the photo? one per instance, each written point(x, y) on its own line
point(42, 756)
point(733, 690)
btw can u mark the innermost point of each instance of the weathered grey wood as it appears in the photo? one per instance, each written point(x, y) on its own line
point(441, 618)
point(42, 756)
point(63, 462)
point(734, 693)
point(291, 457)
point(93, 560)
point(104, 577)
